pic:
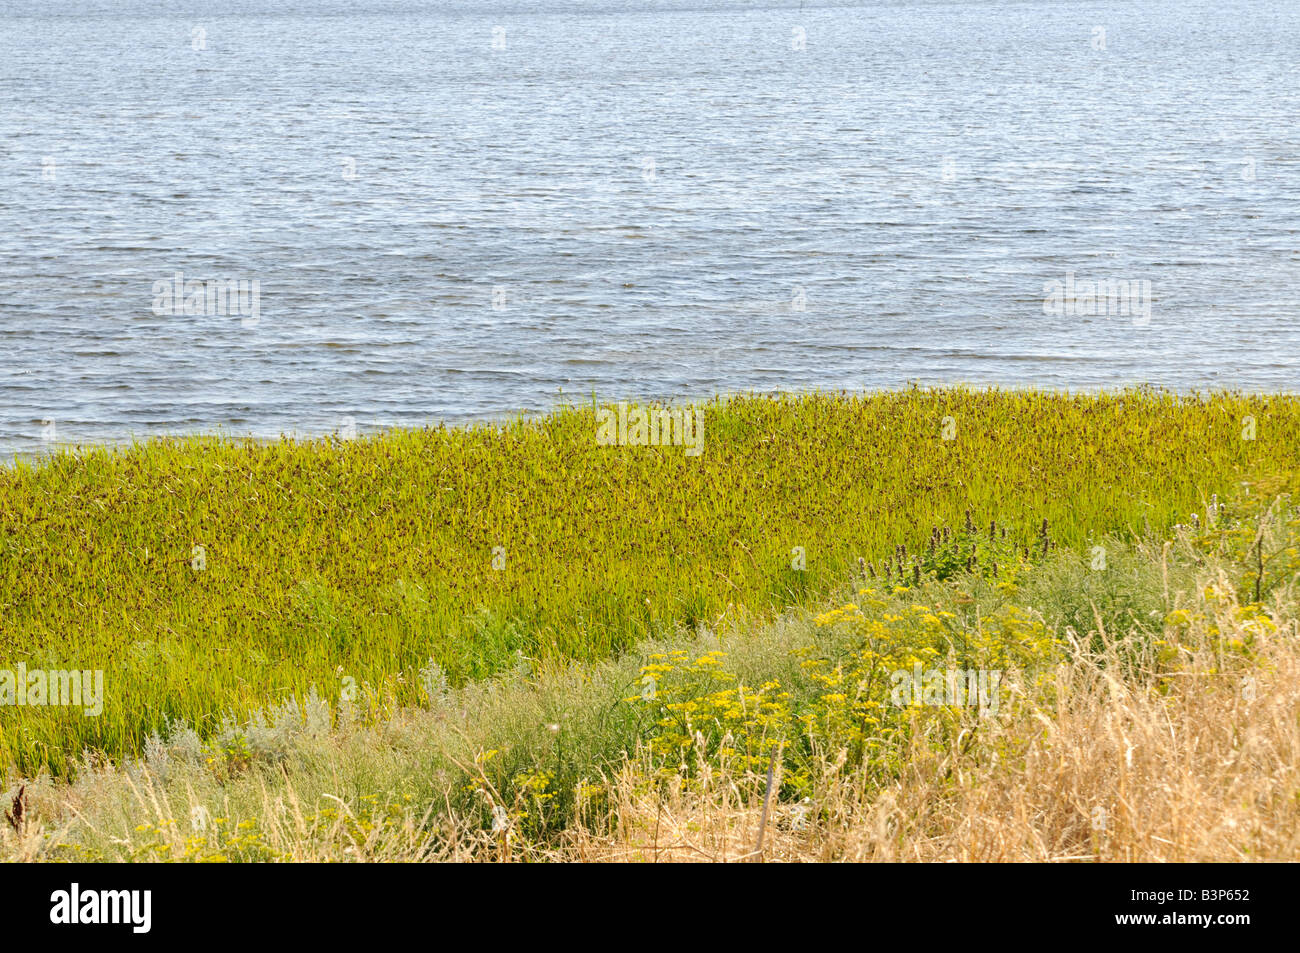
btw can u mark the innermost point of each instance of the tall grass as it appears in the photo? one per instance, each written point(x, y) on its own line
point(1168, 729)
point(328, 564)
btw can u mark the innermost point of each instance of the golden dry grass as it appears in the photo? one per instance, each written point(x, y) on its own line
point(1118, 773)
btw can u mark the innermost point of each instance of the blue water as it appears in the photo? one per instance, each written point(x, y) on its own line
point(466, 210)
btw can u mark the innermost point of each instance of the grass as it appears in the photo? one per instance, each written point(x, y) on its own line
point(1167, 728)
point(210, 578)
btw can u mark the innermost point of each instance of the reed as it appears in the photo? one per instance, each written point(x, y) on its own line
point(1166, 730)
point(211, 577)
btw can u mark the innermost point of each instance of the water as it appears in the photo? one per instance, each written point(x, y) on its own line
point(667, 200)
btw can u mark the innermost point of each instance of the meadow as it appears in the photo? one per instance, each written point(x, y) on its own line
point(212, 579)
point(1147, 712)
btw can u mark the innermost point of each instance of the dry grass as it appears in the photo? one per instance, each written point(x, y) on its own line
point(1118, 773)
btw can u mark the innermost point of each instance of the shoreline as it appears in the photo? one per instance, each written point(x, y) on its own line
point(506, 419)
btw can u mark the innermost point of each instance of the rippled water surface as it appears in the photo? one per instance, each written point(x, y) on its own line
point(466, 210)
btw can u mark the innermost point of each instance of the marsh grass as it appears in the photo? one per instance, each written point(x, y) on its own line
point(1140, 737)
point(328, 563)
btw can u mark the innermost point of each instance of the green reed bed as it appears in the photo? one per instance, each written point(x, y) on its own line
point(399, 559)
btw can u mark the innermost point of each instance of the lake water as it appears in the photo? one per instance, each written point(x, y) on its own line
point(466, 210)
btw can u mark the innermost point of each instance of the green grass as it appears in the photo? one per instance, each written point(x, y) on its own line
point(582, 750)
point(327, 561)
